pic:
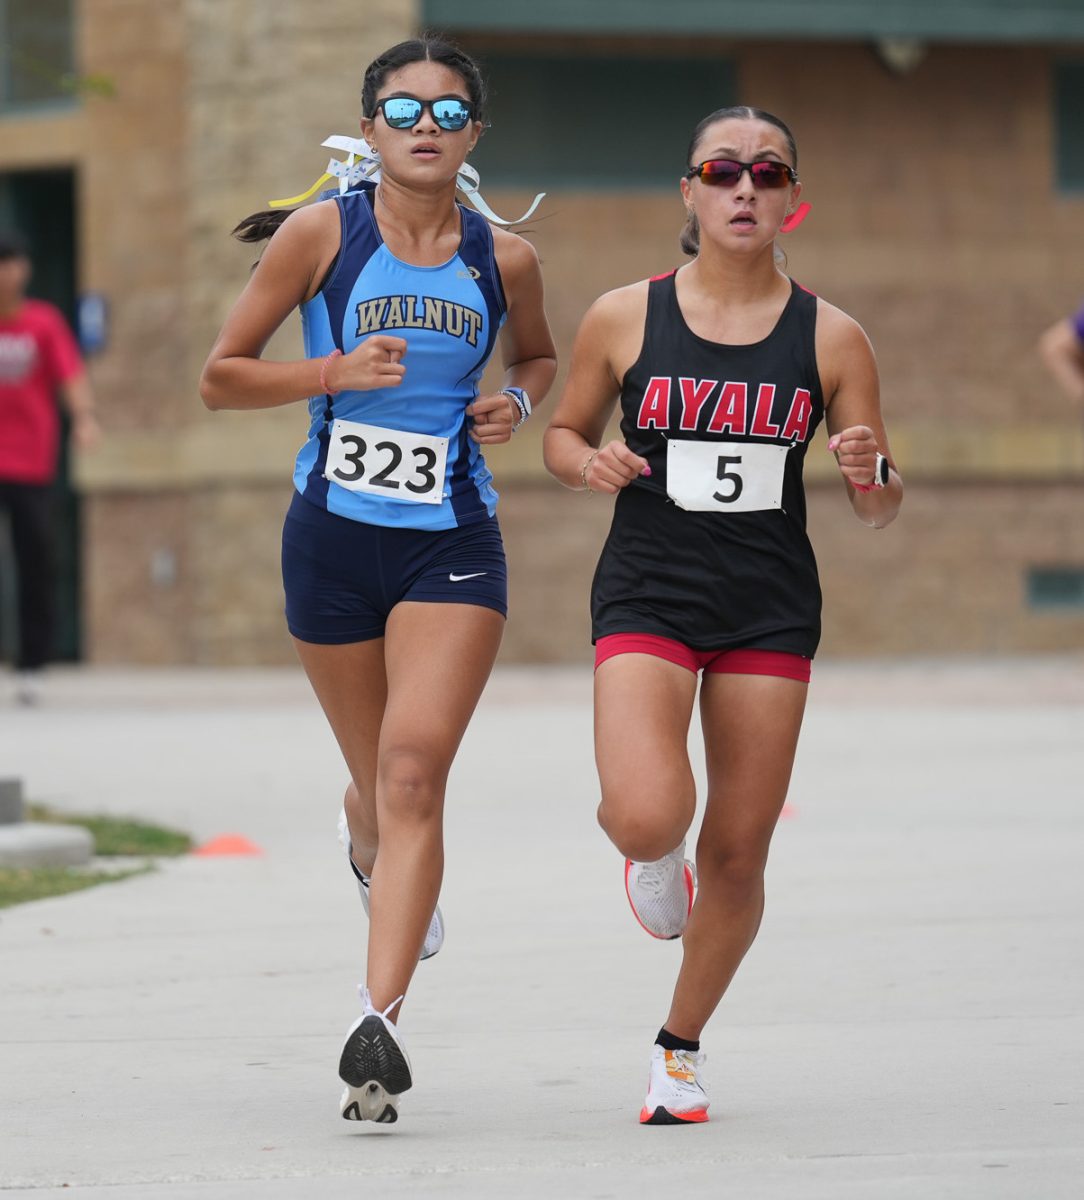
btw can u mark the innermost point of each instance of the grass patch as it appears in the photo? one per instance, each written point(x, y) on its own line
point(18, 885)
point(118, 837)
point(114, 837)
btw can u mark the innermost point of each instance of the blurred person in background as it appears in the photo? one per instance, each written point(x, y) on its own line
point(39, 361)
point(1062, 349)
point(393, 563)
point(723, 371)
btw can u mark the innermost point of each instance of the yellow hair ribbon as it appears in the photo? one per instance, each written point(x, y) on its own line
point(363, 163)
point(289, 203)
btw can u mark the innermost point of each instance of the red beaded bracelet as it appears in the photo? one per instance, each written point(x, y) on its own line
point(336, 353)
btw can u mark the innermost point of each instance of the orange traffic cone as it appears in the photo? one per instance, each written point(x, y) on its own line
point(227, 844)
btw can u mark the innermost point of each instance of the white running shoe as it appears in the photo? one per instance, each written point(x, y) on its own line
point(661, 893)
point(675, 1095)
point(434, 935)
point(374, 1066)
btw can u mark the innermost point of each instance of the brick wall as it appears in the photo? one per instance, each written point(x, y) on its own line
point(949, 577)
point(951, 260)
point(220, 106)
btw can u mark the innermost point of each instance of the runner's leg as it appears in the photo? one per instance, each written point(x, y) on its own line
point(643, 705)
point(438, 658)
point(751, 726)
point(350, 683)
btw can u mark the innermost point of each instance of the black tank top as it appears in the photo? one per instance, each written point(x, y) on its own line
point(711, 549)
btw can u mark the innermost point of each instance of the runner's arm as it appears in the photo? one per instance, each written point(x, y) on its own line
point(527, 349)
point(1063, 353)
point(572, 448)
point(289, 272)
point(853, 415)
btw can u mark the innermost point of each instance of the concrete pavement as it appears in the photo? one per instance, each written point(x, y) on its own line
point(907, 1025)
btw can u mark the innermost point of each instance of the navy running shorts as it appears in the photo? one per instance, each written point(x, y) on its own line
point(342, 578)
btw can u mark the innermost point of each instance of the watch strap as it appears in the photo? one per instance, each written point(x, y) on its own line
point(880, 476)
point(522, 402)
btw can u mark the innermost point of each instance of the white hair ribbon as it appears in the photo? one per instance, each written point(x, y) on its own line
point(362, 164)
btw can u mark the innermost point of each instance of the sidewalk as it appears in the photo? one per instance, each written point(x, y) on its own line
point(907, 1025)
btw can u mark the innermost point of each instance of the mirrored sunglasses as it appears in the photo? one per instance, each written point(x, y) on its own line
point(404, 112)
point(725, 172)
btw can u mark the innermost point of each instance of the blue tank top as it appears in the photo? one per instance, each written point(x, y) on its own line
point(402, 456)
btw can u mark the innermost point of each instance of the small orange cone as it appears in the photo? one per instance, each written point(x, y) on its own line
point(227, 844)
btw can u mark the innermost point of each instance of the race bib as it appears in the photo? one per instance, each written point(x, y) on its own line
point(725, 476)
point(387, 462)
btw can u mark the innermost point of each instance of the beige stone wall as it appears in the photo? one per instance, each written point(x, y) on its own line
point(269, 82)
point(952, 263)
point(221, 105)
point(140, 577)
point(237, 611)
point(133, 208)
point(918, 230)
point(950, 577)
point(935, 220)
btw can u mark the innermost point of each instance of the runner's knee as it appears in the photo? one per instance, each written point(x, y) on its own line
point(739, 868)
point(410, 785)
point(642, 832)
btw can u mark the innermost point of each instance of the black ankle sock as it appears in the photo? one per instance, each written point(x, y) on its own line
point(668, 1042)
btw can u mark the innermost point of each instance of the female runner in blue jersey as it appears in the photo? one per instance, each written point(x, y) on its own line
point(393, 565)
point(723, 371)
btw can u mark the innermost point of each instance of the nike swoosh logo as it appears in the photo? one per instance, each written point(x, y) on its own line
point(460, 578)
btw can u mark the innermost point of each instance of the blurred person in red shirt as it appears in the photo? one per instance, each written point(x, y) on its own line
point(39, 361)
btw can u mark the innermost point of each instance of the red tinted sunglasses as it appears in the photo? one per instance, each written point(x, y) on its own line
point(725, 172)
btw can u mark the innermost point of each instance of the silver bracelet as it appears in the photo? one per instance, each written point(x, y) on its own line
point(583, 472)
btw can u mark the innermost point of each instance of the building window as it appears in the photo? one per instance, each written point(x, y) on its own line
point(36, 52)
point(1069, 125)
point(1056, 588)
point(588, 121)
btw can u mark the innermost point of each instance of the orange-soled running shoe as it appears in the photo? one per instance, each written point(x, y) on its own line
point(661, 893)
point(675, 1095)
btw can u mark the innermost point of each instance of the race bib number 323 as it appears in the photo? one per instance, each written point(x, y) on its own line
point(725, 476)
point(387, 462)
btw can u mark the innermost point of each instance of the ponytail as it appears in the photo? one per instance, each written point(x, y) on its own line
point(260, 226)
point(690, 236)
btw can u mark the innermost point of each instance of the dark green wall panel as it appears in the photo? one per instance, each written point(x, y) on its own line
point(596, 122)
point(960, 20)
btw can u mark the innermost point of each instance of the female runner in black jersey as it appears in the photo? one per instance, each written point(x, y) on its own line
point(723, 369)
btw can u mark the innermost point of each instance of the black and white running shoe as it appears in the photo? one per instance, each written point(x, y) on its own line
point(374, 1066)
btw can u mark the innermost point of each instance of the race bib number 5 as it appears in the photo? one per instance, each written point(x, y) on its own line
point(387, 462)
point(725, 476)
